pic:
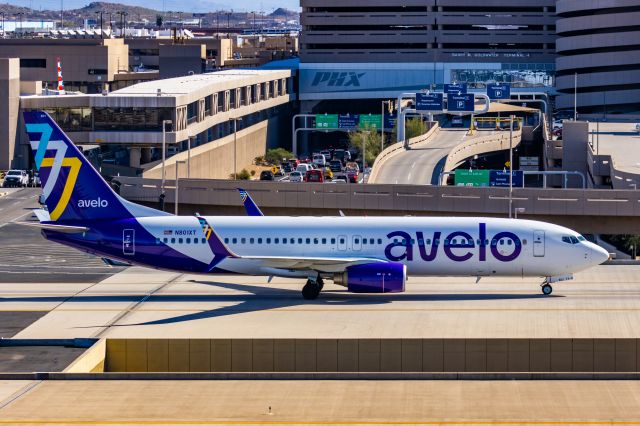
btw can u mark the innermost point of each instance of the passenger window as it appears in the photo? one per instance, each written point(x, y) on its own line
point(173, 241)
point(235, 241)
point(341, 240)
point(179, 240)
point(364, 241)
point(268, 240)
point(165, 240)
point(276, 240)
point(428, 241)
point(413, 241)
point(226, 240)
point(203, 240)
point(324, 241)
point(446, 242)
point(508, 242)
point(372, 241)
point(308, 240)
point(188, 241)
point(284, 241)
point(501, 242)
point(251, 240)
point(293, 240)
point(379, 240)
point(299, 240)
point(315, 241)
point(259, 240)
point(524, 242)
point(356, 240)
point(157, 240)
point(333, 241)
point(243, 240)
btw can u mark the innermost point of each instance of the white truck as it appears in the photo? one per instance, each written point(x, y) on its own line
point(13, 178)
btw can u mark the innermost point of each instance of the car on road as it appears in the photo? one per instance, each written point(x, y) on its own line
point(353, 176)
point(319, 160)
point(287, 167)
point(34, 179)
point(266, 175)
point(342, 155)
point(327, 154)
point(296, 176)
point(352, 166)
point(335, 165)
point(328, 174)
point(342, 178)
point(16, 178)
point(314, 176)
point(303, 167)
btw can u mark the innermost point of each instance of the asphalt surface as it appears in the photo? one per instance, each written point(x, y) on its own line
point(26, 256)
point(422, 164)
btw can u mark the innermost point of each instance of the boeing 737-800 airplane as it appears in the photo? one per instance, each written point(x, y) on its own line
point(365, 254)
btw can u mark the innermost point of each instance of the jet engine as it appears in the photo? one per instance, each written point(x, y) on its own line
point(373, 278)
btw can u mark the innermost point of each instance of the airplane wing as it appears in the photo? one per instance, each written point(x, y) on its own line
point(322, 264)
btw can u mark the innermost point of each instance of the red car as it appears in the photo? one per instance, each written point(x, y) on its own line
point(314, 176)
point(353, 177)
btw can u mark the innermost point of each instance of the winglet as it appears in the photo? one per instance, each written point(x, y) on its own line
point(215, 242)
point(250, 206)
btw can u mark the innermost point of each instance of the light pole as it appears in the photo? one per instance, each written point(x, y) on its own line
point(100, 12)
point(164, 151)
point(365, 133)
point(189, 156)
point(382, 126)
point(176, 193)
point(575, 96)
point(510, 164)
point(2, 13)
point(235, 145)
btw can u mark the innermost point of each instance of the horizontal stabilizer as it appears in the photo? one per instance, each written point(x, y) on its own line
point(111, 262)
point(42, 215)
point(66, 229)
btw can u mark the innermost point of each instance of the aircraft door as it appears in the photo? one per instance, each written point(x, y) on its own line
point(342, 242)
point(356, 243)
point(538, 243)
point(128, 242)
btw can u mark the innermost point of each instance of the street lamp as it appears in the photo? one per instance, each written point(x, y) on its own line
point(2, 13)
point(235, 145)
point(510, 164)
point(175, 201)
point(365, 133)
point(164, 151)
point(382, 127)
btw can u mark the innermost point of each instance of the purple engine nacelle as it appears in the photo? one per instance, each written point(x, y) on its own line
point(373, 278)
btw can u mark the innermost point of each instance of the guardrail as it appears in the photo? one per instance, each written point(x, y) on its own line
point(397, 148)
point(480, 145)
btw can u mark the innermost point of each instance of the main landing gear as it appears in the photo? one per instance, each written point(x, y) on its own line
point(312, 288)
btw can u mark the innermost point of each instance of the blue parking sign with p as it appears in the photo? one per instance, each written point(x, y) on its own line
point(499, 91)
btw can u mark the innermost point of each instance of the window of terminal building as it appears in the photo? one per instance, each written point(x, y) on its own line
point(208, 102)
point(33, 63)
point(71, 119)
point(131, 119)
point(192, 112)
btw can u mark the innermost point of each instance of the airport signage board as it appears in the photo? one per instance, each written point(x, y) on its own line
point(326, 121)
point(529, 163)
point(499, 91)
point(390, 121)
point(348, 121)
point(455, 89)
point(429, 101)
point(371, 121)
point(460, 103)
point(463, 177)
point(501, 178)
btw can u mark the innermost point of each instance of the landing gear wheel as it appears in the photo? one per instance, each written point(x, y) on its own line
point(320, 283)
point(547, 289)
point(311, 290)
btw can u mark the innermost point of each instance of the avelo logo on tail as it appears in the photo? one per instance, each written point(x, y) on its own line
point(100, 203)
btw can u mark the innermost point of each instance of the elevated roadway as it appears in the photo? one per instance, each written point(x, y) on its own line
point(422, 164)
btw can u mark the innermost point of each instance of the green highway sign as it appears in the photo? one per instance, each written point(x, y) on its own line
point(472, 177)
point(326, 121)
point(372, 121)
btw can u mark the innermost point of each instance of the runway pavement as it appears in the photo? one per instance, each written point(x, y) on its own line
point(422, 164)
point(603, 302)
point(26, 256)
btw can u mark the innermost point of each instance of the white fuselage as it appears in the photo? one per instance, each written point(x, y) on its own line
point(429, 246)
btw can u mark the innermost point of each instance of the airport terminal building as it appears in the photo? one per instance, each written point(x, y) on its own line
point(350, 50)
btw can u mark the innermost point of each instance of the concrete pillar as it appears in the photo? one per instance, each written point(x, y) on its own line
point(145, 155)
point(134, 156)
point(9, 113)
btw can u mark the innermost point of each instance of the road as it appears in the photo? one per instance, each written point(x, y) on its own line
point(422, 164)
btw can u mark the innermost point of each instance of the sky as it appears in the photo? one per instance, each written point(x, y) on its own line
point(176, 5)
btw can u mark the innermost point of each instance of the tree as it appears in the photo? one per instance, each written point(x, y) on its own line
point(243, 175)
point(412, 128)
point(372, 143)
point(275, 156)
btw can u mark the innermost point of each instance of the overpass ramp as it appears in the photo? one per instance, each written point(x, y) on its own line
point(422, 164)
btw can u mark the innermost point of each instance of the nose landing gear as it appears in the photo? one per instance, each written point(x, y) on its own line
point(546, 288)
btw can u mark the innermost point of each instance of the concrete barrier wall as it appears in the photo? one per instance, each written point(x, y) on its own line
point(373, 355)
point(91, 361)
point(480, 145)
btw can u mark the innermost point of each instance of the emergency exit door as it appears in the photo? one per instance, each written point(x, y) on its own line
point(538, 243)
point(128, 242)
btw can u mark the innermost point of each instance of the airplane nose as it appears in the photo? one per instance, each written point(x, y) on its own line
point(598, 254)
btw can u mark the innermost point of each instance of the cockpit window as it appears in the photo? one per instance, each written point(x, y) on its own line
point(581, 238)
point(570, 239)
